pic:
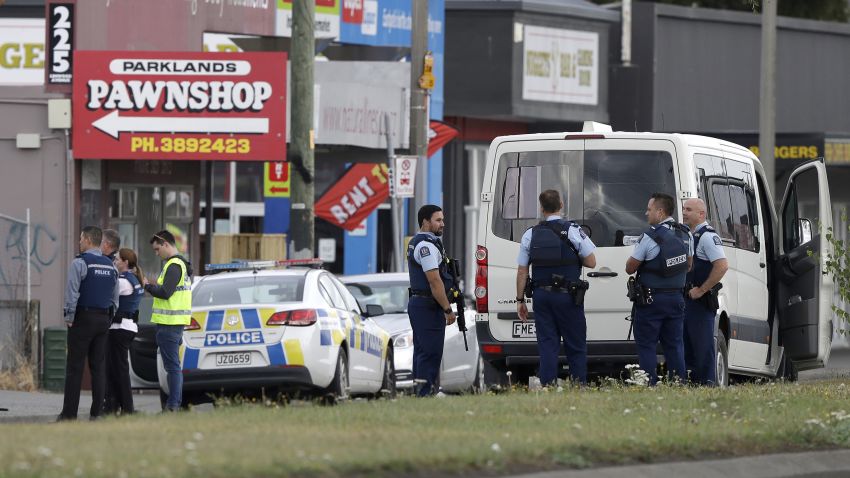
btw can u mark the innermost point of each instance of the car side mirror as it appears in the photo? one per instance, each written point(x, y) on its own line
point(373, 310)
point(805, 227)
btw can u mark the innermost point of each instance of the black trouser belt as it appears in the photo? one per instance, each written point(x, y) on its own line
point(92, 310)
point(666, 289)
point(419, 293)
point(120, 315)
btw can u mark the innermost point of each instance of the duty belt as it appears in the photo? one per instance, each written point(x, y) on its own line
point(419, 293)
point(662, 290)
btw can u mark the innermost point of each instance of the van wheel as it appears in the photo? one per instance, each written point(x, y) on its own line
point(479, 386)
point(388, 388)
point(338, 389)
point(722, 360)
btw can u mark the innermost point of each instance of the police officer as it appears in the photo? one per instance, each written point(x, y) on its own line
point(710, 265)
point(110, 244)
point(661, 259)
point(556, 249)
point(109, 247)
point(91, 297)
point(124, 328)
point(172, 310)
point(429, 307)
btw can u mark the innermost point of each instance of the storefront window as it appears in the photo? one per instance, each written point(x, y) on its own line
point(249, 181)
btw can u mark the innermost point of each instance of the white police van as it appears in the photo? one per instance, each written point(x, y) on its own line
point(775, 305)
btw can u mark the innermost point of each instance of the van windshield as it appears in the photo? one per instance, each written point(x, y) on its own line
point(605, 191)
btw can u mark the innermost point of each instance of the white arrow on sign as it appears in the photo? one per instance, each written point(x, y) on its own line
point(113, 124)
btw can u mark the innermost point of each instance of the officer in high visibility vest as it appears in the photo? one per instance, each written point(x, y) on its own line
point(661, 258)
point(172, 310)
point(91, 297)
point(429, 308)
point(556, 249)
point(710, 265)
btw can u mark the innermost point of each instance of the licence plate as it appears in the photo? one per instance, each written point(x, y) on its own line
point(233, 359)
point(524, 330)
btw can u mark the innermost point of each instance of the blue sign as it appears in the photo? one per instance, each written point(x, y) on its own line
point(388, 22)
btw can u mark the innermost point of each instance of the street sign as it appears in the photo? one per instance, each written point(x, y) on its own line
point(276, 180)
point(404, 176)
point(357, 193)
point(191, 106)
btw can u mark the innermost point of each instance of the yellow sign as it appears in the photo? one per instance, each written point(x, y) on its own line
point(837, 152)
point(426, 81)
point(276, 180)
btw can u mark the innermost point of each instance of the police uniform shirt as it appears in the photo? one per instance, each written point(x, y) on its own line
point(76, 274)
point(582, 243)
point(426, 254)
point(125, 288)
point(646, 249)
point(710, 247)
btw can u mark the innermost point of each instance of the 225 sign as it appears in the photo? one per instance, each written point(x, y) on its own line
point(60, 17)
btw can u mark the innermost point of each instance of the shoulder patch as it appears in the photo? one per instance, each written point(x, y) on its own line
point(717, 240)
point(581, 233)
point(424, 252)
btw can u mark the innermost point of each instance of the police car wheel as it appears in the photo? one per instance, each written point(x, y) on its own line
point(338, 389)
point(388, 388)
point(722, 361)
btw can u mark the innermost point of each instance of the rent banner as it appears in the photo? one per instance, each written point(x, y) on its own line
point(348, 202)
point(191, 106)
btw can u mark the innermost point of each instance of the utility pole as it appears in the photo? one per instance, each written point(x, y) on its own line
point(302, 223)
point(418, 107)
point(767, 105)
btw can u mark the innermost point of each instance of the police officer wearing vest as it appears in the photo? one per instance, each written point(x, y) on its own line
point(429, 307)
point(91, 297)
point(710, 265)
point(172, 310)
point(124, 328)
point(556, 249)
point(661, 258)
point(110, 244)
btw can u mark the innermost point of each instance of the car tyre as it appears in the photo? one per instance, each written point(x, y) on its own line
point(337, 391)
point(722, 360)
point(479, 386)
point(388, 388)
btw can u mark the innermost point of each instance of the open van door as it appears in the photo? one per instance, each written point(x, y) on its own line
point(805, 291)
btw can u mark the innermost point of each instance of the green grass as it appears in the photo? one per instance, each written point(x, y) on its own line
point(490, 434)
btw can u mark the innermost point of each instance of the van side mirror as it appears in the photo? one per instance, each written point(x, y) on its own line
point(804, 226)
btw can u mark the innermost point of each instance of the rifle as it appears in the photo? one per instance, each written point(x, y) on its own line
point(456, 297)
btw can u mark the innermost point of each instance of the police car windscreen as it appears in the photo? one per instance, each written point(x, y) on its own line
point(605, 191)
point(248, 290)
point(392, 296)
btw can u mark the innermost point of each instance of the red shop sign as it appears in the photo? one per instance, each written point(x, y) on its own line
point(157, 105)
point(355, 195)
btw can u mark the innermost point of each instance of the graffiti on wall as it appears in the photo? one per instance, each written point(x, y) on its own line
point(13, 255)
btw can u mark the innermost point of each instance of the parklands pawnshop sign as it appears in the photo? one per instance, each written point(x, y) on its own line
point(154, 105)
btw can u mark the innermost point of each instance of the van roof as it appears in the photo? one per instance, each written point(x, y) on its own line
point(685, 139)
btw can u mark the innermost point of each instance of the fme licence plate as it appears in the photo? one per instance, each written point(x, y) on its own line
point(233, 359)
point(524, 330)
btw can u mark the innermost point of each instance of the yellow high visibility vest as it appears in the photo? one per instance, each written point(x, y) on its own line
point(177, 310)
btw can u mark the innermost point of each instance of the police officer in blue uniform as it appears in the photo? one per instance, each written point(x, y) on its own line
point(710, 265)
point(661, 259)
point(429, 307)
point(556, 249)
point(91, 297)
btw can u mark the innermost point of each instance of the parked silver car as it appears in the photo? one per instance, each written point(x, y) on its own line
point(460, 371)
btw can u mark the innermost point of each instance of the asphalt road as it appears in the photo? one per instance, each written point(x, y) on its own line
point(837, 367)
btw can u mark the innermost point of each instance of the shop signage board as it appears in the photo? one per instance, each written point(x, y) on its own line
point(326, 22)
point(560, 66)
point(179, 106)
point(404, 176)
point(360, 190)
point(276, 180)
point(21, 51)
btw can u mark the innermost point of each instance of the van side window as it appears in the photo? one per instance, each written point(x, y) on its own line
point(744, 212)
point(714, 190)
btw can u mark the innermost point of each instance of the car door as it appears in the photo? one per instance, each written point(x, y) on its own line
point(804, 290)
point(358, 370)
point(370, 337)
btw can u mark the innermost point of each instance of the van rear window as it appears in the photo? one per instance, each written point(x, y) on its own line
point(604, 191)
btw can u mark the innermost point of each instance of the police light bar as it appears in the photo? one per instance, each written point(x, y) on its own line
point(252, 265)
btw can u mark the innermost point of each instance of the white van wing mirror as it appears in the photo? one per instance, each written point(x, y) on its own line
point(522, 187)
point(804, 226)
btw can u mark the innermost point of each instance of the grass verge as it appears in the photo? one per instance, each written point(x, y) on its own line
point(488, 434)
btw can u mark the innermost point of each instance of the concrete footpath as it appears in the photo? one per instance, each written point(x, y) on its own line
point(41, 407)
point(817, 464)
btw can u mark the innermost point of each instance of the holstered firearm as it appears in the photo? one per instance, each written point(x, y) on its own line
point(636, 293)
point(711, 299)
point(529, 288)
point(577, 290)
point(456, 297)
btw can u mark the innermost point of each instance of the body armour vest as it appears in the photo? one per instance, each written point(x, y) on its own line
point(669, 269)
point(702, 267)
point(418, 280)
point(552, 252)
point(96, 290)
point(129, 304)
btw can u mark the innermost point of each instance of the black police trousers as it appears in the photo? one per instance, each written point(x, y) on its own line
point(87, 337)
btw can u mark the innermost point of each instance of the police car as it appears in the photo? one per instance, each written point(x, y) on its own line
point(257, 327)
